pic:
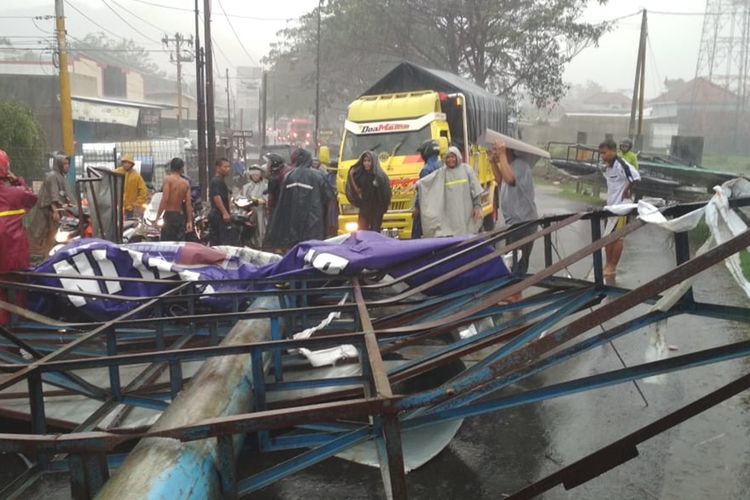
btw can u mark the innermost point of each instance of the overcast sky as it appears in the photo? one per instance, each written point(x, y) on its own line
point(672, 52)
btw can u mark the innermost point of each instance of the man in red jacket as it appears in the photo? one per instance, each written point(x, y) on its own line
point(15, 199)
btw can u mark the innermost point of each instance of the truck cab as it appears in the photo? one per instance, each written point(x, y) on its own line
point(393, 126)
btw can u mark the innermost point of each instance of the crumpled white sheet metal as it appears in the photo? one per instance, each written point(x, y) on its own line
point(723, 224)
point(329, 356)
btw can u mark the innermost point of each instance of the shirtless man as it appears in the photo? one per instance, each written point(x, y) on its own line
point(175, 204)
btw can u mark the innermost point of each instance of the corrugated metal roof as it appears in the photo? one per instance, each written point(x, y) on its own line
point(120, 102)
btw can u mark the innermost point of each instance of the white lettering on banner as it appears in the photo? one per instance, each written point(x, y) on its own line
point(72, 284)
point(326, 262)
point(138, 264)
point(85, 111)
point(162, 267)
point(108, 269)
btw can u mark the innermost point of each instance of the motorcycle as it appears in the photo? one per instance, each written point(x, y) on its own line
point(69, 228)
point(243, 220)
point(199, 234)
point(146, 227)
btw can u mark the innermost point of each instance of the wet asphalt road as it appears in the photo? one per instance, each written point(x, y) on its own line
point(493, 456)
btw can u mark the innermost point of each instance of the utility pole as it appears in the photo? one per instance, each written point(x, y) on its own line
point(229, 109)
point(66, 107)
point(179, 57)
point(201, 118)
point(317, 81)
point(639, 87)
point(210, 123)
point(263, 101)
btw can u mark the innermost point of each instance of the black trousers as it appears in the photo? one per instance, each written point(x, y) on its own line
point(220, 232)
point(175, 226)
point(522, 256)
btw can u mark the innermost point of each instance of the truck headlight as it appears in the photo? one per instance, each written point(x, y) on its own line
point(351, 227)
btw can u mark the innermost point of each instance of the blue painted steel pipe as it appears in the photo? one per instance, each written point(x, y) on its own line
point(160, 468)
point(623, 375)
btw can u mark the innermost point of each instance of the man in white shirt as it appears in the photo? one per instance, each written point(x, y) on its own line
point(620, 176)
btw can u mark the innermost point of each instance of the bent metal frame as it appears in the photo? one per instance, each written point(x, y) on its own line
point(164, 332)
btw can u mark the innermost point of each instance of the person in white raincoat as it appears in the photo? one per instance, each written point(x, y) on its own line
point(450, 199)
point(257, 190)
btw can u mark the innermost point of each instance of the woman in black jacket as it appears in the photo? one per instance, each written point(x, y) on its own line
point(369, 189)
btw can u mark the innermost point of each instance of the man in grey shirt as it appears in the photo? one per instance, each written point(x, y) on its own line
point(513, 174)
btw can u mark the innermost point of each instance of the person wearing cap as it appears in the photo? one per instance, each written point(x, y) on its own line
point(450, 198)
point(176, 203)
point(15, 199)
point(54, 196)
point(257, 191)
point(429, 150)
point(626, 153)
point(134, 191)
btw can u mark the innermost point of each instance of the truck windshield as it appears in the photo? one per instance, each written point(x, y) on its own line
point(395, 143)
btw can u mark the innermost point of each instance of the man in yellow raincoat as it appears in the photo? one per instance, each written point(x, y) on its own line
point(135, 191)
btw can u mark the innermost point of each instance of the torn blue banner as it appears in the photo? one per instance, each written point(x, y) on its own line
point(364, 251)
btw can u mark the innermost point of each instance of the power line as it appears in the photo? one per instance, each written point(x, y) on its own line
point(252, 59)
point(160, 30)
point(669, 13)
point(239, 16)
point(34, 19)
point(126, 22)
point(22, 49)
point(92, 21)
point(214, 43)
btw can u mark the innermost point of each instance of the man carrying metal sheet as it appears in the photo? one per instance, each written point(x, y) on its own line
point(513, 174)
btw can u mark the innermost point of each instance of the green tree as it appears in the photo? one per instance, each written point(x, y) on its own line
point(22, 138)
point(122, 52)
point(511, 47)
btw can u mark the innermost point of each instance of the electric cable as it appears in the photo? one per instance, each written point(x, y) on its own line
point(238, 16)
point(145, 21)
point(71, 5)
point(130, 25)
point(242, 46)
point(591, 309)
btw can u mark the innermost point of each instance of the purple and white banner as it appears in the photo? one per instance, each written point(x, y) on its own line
point(364, 251)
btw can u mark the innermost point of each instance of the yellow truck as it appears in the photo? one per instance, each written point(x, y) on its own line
point(408, 106)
